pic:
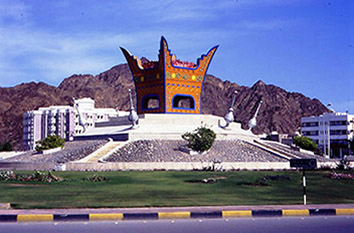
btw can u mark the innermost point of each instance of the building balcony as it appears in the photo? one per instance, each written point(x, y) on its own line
point(339, 137)
point(312, 128)
point(338, 127)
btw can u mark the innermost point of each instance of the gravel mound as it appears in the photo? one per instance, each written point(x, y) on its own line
point(72, 151)
point(169, 151)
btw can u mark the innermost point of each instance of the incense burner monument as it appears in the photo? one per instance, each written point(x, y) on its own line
point(169, 85)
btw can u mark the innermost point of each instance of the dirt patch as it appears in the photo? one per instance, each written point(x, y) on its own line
point(22, 185)
point(255, 184)
point(207, 180)
point(220, 177)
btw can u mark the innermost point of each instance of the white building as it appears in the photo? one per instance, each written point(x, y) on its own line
point(64, 121)
point(86, 115)
point(54, 120)
point(330, 131)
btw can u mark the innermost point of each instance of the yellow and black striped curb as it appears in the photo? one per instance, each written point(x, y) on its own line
point(172, 215)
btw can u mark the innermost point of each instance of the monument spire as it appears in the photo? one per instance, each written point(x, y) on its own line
point(133, 116)
point(229, 117)
point(253, 122)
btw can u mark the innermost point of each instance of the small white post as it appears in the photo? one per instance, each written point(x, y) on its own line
point(304, 184)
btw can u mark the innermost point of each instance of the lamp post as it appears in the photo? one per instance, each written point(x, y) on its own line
point(329, 106)
point(329, 141)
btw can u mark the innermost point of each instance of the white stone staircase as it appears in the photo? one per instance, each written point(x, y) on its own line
point(103, 152)
point(274, 150)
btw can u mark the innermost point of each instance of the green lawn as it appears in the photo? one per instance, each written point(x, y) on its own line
point(182, 188)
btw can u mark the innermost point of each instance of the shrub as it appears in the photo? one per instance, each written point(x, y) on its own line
point(50, 142)
point(201, 139)
point(95, 178)
point(343, 164)
point(6, 146)
point(36, 176)
point(305, 143)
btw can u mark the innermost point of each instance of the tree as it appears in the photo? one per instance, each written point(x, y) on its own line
point(6, 146)
point(201, 139)
point(50, 142)
point(305, 143)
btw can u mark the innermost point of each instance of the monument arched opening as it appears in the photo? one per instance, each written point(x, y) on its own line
point(150, 102)
point(183, 102)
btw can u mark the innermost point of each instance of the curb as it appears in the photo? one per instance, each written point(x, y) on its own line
point(172, 215)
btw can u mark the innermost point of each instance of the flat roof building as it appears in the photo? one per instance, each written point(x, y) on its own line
point(65, 121)
point(330, 131)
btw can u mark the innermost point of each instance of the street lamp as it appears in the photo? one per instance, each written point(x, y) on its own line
point(329, 141)
point(329, 106)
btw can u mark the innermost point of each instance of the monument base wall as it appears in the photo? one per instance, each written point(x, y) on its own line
point(188, 166)
point(146, 166)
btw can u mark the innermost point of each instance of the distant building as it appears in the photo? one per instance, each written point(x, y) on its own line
point(64, 121)
point(86, 112)
point(54, 120)
point(330, 130)
point(282, 138)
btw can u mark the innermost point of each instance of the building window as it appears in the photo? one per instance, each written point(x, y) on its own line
point(338, 132)
point(310, 133)
point(338, 123)
point(339, 141)
point(309, 124)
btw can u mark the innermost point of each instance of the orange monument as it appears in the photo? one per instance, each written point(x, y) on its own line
point(169, 85)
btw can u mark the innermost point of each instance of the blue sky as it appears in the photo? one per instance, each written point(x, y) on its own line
point(302, 46)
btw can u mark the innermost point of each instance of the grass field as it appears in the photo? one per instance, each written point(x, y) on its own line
point(183, 188)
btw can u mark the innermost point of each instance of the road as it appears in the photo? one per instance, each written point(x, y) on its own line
point(321, 224)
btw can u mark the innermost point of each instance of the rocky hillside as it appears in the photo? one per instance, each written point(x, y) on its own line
point(281, 110)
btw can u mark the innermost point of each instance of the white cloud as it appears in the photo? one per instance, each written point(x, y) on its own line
point(26, 53)
point(54, 56)
point(30, 52)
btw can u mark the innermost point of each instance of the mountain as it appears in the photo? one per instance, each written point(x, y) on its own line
point(281, 110)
